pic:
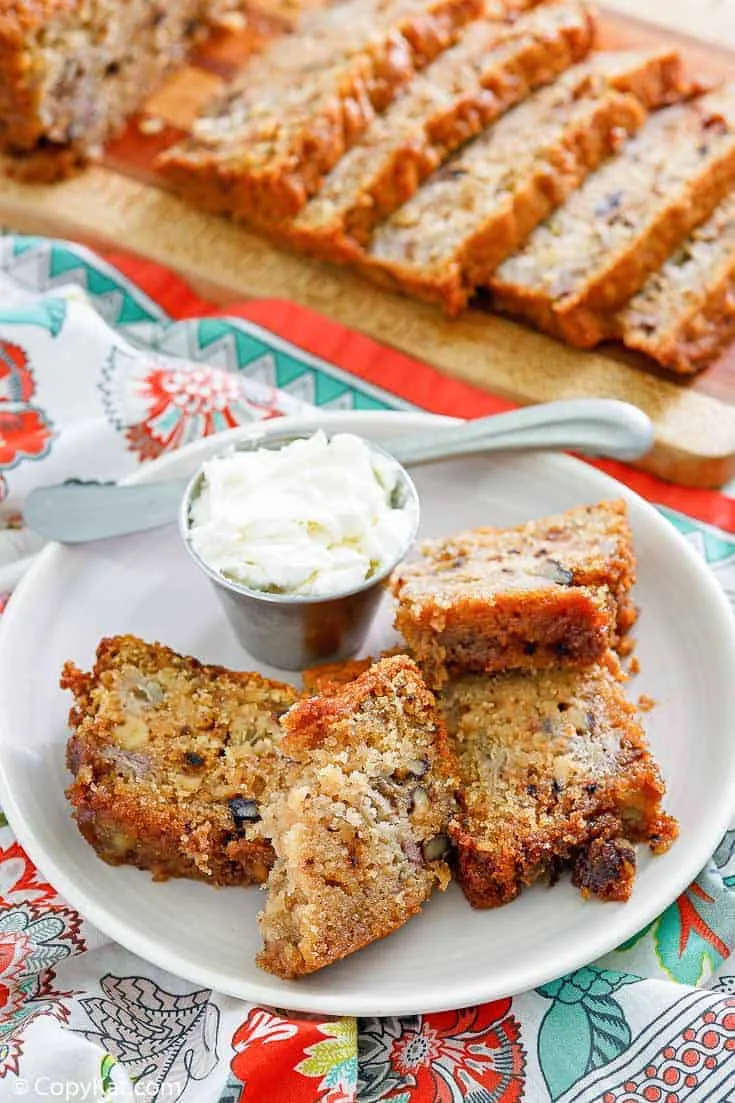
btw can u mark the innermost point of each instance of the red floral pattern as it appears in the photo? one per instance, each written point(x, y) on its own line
point(474, 1053)
point(176, 398)
point(161, 405)
point(16, 379)
point(15, 949)
point(466, 1049)
point(24, 431)
point(468, 1055)
point(266, 1041)
point(33, 940)
point(20, 881)
point(23, 435)
point(37, 931)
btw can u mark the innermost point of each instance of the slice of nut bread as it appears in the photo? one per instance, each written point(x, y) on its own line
point(550, 592)
point(171, 759)
point(684, 316)
point(359, 829)
point(555, 773)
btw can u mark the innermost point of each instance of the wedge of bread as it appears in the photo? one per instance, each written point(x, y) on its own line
point(359, 830)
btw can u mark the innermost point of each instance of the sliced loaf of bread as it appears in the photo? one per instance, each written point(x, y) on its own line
point(477, 209)
point(493, 67)
point(262, 151)
point(596, 252)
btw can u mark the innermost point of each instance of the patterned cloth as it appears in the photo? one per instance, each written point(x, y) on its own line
point(89, 387)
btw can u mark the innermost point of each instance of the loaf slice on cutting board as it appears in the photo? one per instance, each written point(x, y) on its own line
point(684, 317)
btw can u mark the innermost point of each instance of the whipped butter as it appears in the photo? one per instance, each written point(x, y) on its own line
point(316, 517)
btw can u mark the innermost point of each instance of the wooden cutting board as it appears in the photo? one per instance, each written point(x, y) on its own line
point(122, 204)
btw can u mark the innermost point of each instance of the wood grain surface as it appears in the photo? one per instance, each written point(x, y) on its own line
point(123, 204)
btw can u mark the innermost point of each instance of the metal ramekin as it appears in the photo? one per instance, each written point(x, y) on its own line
point(289, 631)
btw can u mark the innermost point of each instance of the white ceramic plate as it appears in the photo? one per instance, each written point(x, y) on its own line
point(450, 956)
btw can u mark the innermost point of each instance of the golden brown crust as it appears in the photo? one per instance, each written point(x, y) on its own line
point(166, 752)
point(360, 829)
point(658, 80)
point(702, 335)
point(20, 125)
point(325, 721)
point(325, 678)
point(550, 592)
point(555, 773)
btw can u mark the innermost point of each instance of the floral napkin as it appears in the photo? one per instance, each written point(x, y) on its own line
point(95, 378)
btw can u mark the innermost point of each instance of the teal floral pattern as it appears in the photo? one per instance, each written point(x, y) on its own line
point(584, 1028)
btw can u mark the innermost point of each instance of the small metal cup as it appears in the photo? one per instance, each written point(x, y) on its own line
point(290, 631)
